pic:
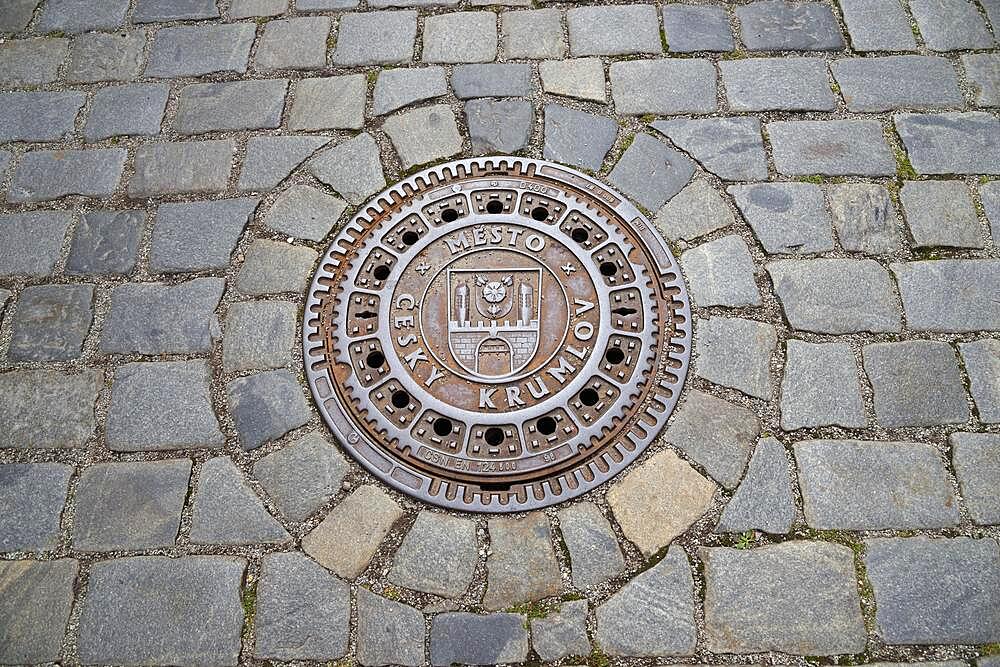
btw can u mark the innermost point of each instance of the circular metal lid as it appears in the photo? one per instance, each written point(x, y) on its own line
point(497, 334)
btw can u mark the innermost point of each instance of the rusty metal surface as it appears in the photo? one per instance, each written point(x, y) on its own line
point(497, 334)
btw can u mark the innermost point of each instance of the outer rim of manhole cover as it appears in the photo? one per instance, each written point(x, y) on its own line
point(458, 411)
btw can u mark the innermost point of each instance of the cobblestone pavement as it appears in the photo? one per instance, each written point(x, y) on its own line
point(826, 491)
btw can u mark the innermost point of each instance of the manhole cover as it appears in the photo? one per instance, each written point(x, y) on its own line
point(497, 334)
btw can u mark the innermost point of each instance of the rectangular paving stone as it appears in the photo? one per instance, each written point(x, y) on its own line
point(976, 459)
point(181, 168)
point(198, 236)
point(576, 137)
point(266, 406)
point(651, 172)
point(981, 70)
point(424, 135)
point(269, 160)
point(194, 50)
point(877, 25)
point(275, 267)
point(521, 565)
point(48, 409)
point(242, 9)
point(101, 56)
point(31, 62)
point(857, 485)
point(438, 555)
point(41, 116)
point(51, 322)
point(461, 637)
point(35, 608)
point(491, 80)
point(735, 353)
point(152, 11)
point(614, 30)
point(460, 37)
point(776, 25)
point(582, 78)
point(375, 38)
point(156, 610)
point(400, 87)
point(982, 364)
point(897, 82)
point(795, 597)
point(30, 242)
point(389, 632)
point(951, 25)
point(331, 103)
point(690, 28)
point(730, 148)
point(47, 175)
point(533, 34)
point(297, 43)
point(305, 212)
point(864, 218)
point(935, 591)
point(154, 318)
point(916, 383)
point(777, 84)
point(950, 295)
point(720, 272)
point(563, 633)
point(663, 87)
point(15, 15)
point(593, 547)
point(836, 296)
point(106, 243)
point(820, 387)
point(259, 335)
point(302, 476)
point(786, 217)
point(499, 126)
point(940, 214)
point(130, 506)
point(134, 109)
point(227, 511)
point(75, 16)
point(831, 148)
point(951, 143)
point(237, 105)
point(33, 496)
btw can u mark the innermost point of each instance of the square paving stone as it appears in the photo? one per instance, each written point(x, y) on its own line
point(658, 500)
point(534, 34)
point(877, 25)
point(190, 167)
point(616, 30)
point(521, 565)
point(424, 135)
point(464, 638)
point(577, 138)
point(48, 409)
point(764, 499)
point(776, 25)
point(777, 84)
point(345, 541)
point(275, 267)
point(303, 211)
point(582, 78)
point(717, 435)
point(134, 110)
point(690, 28)
point(438, 555)
point(302, 476)
point(950, 295)
point(982, 71)
point(820, 387)
point(154, 318)
point(976, 459)
point(296, 43)
point(795, 597)
point(935, 591)
point(75, 16)
point(693, 212)
point(731, 148)
point(237, 105)
point(563, 633)
point(836, 296)
point(39, 116)
point(130, 506)
point(397, 88)
point(152, 11)
point(242, 9)
point(940, 213)
point(389, 633)
point(864, 218)
point(31, 62)
point(787, 218)
point(303, 612)
point(332, 103)
point(106, 243)
point(735, 353)
point(33, 496)
point(982, 364)
point(30, 242)
point(916, 383)
point(951, 25)
point(227, 511)
point(651, 172)
point(663, 87)
point(15, 15)
point(162, 405)
point(831, 148)
point(491, 80)
point(460, 37)
point(897, 82)
point(653, 614)
point(353, 168)
point(266, 406)
point(101, 56)
point(51, 322)
point(259, 335)
point(855, 485)
point(194, 50)
point(156, 610)
point(951, 143)
point(594, 552)
point(47, 175)
point(34, 609)
point(197, 236)
point(721, 273)
point(269, 160)
point(375, 38)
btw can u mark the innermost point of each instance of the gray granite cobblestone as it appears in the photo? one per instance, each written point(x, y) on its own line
point(31, 62)
point(437, 556)
point(374, 38)
point(613, 30)
point(787, 218)
point(877, 25)
point(39, 116)
point(950, 294)
point(691, 28)
point(976, 459)
point(48, 409)
point(134, 109)
point(731, 148)
point(194, 50)
point(172, 168)
point(831, 148)
point(491, 80)
point(461, 637)
point(269, 160)
point(101, 56)
point(35, 608)
point(106, 243)
point(33, 495)
point(48, 175)
point(302, 476)
point(197, 236)
point(237, 105)
point(266, 406)
point(51, 322)
point(897, 82)
point(296, 43)
point(777, 84)
point(982, 364)
point(663, 87)
point(940, 214)
point(460, 37)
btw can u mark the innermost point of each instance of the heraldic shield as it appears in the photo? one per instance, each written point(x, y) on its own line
point(493, 319)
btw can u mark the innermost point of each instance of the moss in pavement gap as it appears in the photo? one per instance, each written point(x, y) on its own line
point(533, 610)
point(663, 40)
point(598, 658)
point(904, 170)
point(249, 600)
point(815, 178)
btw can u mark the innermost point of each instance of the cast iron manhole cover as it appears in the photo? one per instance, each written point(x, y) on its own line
point(497, 334)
